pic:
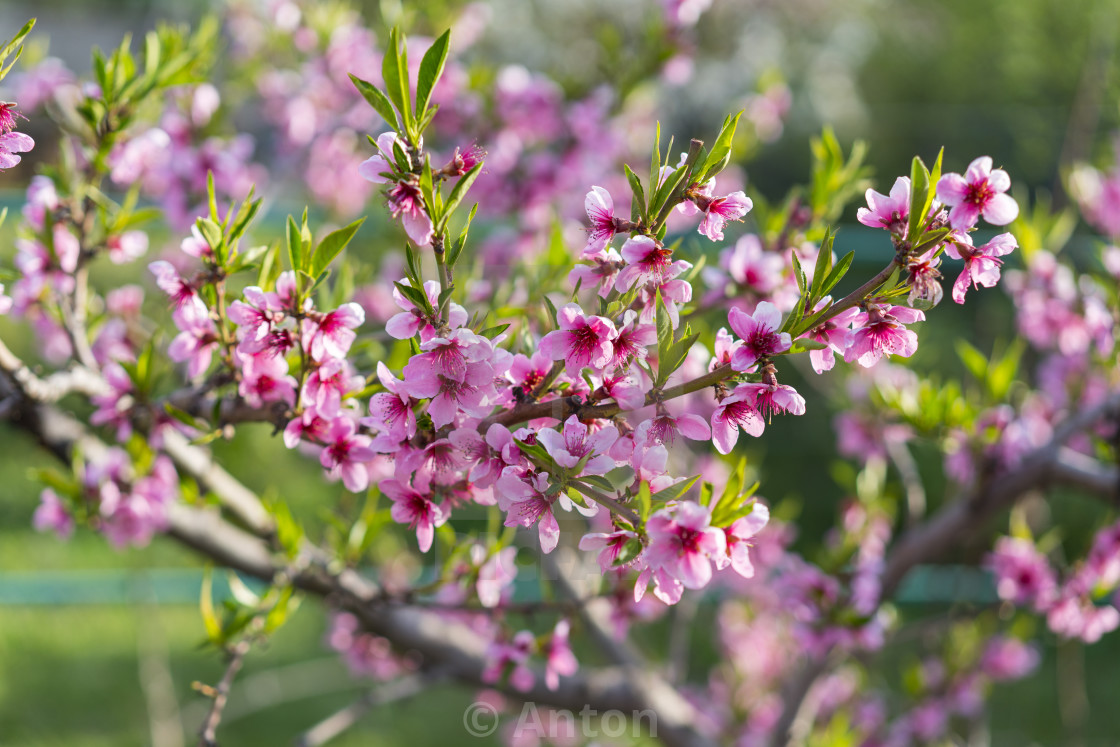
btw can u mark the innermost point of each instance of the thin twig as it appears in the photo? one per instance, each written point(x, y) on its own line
point(208, 735)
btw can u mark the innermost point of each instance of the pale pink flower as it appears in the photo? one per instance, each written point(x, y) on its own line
point(1023, 574)
point(647, 260)
point(739, 535)
point(609, 545)
point(836, 333)
point(981, 264)
point(53, 515)
point(559, 659)
point(770, 398)
point(195, 344)
point(980, 192)
point(391, 411)
point(12, 143)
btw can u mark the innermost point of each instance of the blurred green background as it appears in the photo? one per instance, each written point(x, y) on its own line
point(1031, 82)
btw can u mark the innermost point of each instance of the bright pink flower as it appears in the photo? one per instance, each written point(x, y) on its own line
point(448, 357)
point(487, 456)
point(255, 319)
point(751, 266)
point(880, 331)
point(979, 192)
point(345, 455)
point(526, 504)
point(634, 336)
point(759, 333)
point(674, 292)
point(472, 395)
point(720, 210)
point(739, 535)
point(600, 210)
point(981, 264)
point(623, 389)
point(582, 341)
point(391, 411)
point(724, 349)
point(683, 543)
point(735, 412)
point(647, 261)
point(577, 441)
point(415, 509)
point(513, 656)
point(328, 384)
point(889, 212)
point(332, 334)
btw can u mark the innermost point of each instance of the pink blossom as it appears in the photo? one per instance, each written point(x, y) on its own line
point(603, 274)
point(496, 576)
point(683, 543)
point(578, 441)
point(610, 546)
point(513, 655)
point(759, 333)
point(391, 411)
point(195, 344)
point(1023, 574)
point(332, 334)
point(12, 143)
point(448, 357)
point(372, 168)
point(345, 454)
point(127, 246)
point(264, 378)
point(1008, 659)
point(836, 333)
point(526, 503)
point(663, 429)
point(981, 264)
point(739, 534)
point(413, 320)
point(880, 331)
point(406, 202)
point(559, 659)
point(582, 341)
point(717, 210)
point(53, 515)
point(770, 398)
point(980, 192)
point(890, 212)
point(647, 260)
point(751, 266)
point(600, 210)
point(184, 298)
point(735, 411)
point(416, 509)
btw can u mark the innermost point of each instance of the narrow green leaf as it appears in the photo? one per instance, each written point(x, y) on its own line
point(295, 244)
point(837, 273)
point(458, 192)
point(206, 606)
point(638, 203)
point(919, 192)
point(431, 68)
point(332, 245)
point(376, 99)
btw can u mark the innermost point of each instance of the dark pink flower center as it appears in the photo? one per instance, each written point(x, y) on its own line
point(979, 193)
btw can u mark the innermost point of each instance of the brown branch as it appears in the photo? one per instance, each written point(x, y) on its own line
point(208, 735)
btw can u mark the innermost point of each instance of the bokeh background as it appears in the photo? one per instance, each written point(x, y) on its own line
point(99, 647)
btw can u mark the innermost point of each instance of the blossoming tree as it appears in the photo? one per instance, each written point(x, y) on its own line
point(489, 405)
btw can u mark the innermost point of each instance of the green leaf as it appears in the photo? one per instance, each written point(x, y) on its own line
point(821, 268)
point(206, 606)
point(973, 359)
point(431, 68)
point(919, 192)
point(720, 154)
point(673, 492)
point(376, 99)
point(332, 245)
point(837, 273)
point(394, 73)
point(295, 244)
point(638, 203)
point(804, 344)
point(645, 500)
point(492, 332)
point(458, 192)
point(551, 311)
